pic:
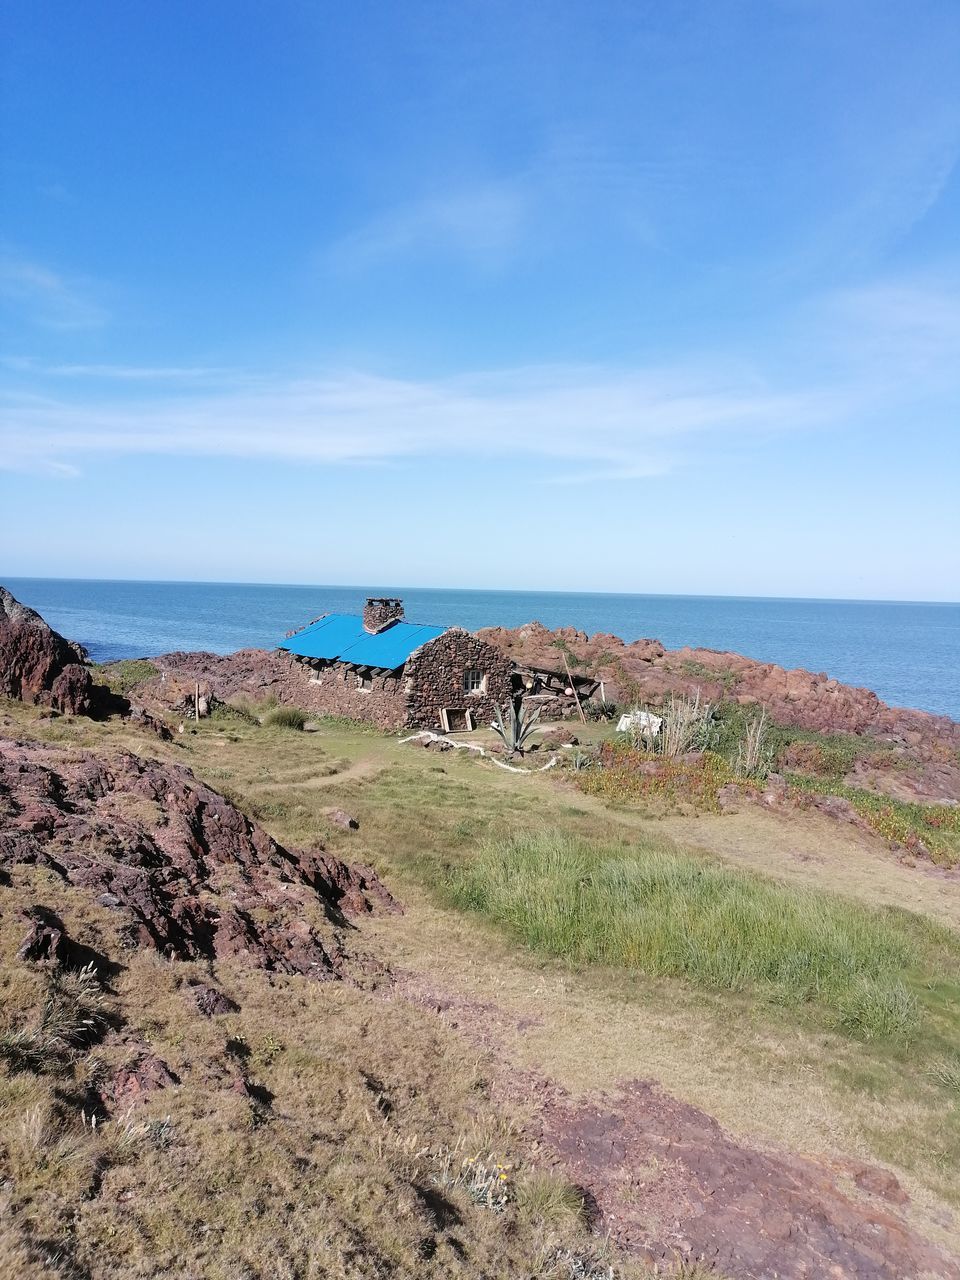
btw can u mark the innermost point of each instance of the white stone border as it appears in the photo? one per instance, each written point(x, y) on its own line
point(427, 736)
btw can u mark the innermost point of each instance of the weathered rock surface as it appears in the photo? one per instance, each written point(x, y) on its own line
point(667, 1181)
point(666, 1178)
point(340, 818)
point(47, 942)
point(211, 1002)
point(143, 1075)
point(249, 673)
point(37, 665)
point(193, 876)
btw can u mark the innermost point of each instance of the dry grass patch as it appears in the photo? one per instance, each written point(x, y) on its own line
point(361, 1143)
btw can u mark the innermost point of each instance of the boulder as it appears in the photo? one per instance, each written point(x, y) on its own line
point(340, 818)
point(212, 1002)
point(38, 665)
point(136, 1080)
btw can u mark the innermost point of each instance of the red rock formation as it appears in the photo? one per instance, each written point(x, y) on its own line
point(192, 875)
point(37, 665)
point(647, 672)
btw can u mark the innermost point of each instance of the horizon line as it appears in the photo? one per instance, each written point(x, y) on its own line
point(353, 586)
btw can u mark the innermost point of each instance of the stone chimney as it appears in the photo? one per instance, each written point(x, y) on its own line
point(381, 612)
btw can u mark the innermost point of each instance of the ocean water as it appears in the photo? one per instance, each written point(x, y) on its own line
point(909, 654)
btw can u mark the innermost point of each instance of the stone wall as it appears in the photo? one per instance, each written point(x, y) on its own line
point(435, 675)
point(334, 690)
point(433, 678)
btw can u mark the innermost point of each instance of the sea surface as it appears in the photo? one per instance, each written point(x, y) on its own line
point(909, 654)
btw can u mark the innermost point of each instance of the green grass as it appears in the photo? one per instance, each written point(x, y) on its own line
point(827, 755)
point(670, 914)
point(695, 670)
point(285, 718)
point(125, 675)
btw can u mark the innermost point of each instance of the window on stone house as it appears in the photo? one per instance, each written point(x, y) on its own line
point(364, 680)
point(474, 681)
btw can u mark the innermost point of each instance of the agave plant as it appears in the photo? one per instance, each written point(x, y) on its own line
point(515, 727)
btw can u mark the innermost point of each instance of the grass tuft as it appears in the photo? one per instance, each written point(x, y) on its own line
point(545, 1197)
point(71, 1017)
point(285, 718)
point(238, 710)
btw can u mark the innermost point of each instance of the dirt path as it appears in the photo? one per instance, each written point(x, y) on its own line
point(365, 768)
point(668, 1182)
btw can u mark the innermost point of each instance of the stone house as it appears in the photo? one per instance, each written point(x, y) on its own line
point(397, 674)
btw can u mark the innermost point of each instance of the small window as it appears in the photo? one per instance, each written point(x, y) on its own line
point(364, 680)
point(474, 681)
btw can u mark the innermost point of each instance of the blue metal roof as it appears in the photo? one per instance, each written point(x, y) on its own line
point(342, 637)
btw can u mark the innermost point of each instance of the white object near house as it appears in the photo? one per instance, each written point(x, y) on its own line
point(645, 721)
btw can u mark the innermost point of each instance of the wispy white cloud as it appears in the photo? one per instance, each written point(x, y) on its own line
point(597, 422)
point(482, 222)
point(856, 357)
point(115, 372)
point(909, 324)
point(47, 298)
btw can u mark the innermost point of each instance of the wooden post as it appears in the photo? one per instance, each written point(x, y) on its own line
point(583, 718)
point(196, 702)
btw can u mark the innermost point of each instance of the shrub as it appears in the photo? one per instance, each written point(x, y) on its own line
point(827, 755)
point(285, 718)
point(626, 774)
point(602, 711)
point(671, 914)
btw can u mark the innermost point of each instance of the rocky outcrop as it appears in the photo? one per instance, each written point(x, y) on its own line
point(645, 671)
point(190, 874)
point(133, 1083)
point(249, 673)
point(37, 665)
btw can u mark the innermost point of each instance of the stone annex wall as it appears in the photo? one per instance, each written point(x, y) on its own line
point(333, 691)
point(434, 679)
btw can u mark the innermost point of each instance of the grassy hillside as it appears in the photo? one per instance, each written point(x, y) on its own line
point(749, 963)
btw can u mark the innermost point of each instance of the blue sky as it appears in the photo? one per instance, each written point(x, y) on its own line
point(629, 297)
